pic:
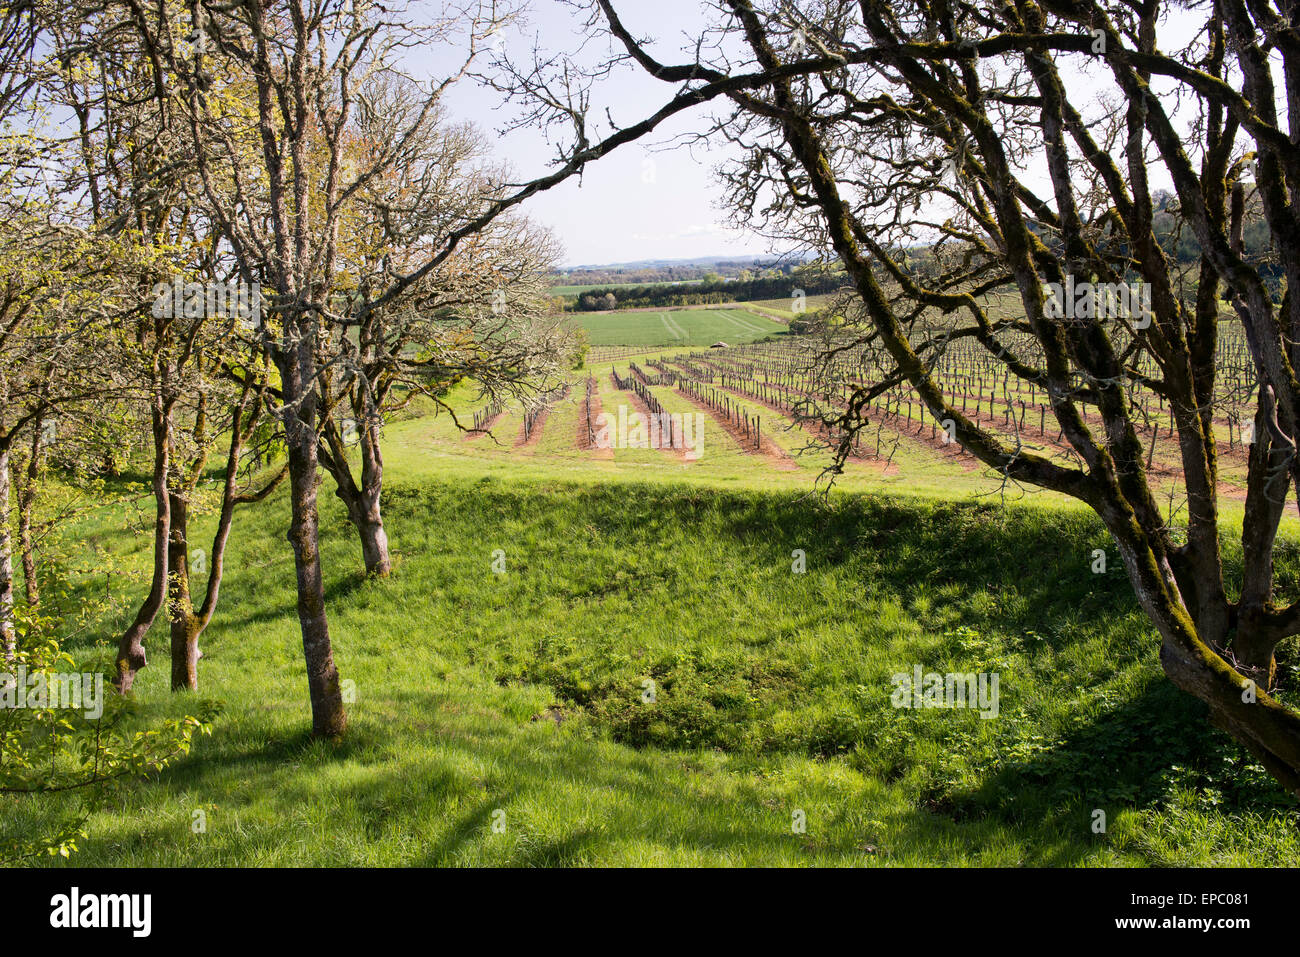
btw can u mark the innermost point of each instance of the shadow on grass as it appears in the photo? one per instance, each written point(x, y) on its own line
point(412, 774)
point(1131, 756)
point(431, 791)
point(1043, 557)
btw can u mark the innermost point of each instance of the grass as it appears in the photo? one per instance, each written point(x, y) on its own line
point(519, 699)
point(785, 307)
point(431, 448)
point(676, 327)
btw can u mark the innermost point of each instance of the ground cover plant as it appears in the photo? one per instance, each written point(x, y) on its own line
point(766, 694)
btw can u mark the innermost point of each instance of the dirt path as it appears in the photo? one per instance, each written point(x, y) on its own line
point(581, 437)
point(819, 434)
point(769, 450)
point(473, 435)
point(643, 410)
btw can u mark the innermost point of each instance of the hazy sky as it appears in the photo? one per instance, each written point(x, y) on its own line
point(640, 202)
point(645, 201)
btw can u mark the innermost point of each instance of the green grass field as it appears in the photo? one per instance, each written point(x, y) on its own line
point(520, 700)
point(676, 327)
point(785, 308)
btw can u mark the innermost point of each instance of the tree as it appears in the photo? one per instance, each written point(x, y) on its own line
point(169, 335)
point(476, 316)
point(884, 124)
point(277, 185)
point(56, 289)
point(270, 94)
point(239, 486)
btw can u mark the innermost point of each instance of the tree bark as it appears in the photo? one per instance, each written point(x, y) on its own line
point(297, 371)
point(130, 649)
point(1266, 728)
point(362, 501)
point(370, 520)
point(8, 629)
point(374, 546)
point(1254, 643)
point(26, 507)
point(185, 625)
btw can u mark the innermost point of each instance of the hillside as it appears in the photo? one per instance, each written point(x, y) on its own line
point(524, 693)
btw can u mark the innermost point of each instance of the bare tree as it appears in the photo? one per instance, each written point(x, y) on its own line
point(480, 315)
point(279, 186)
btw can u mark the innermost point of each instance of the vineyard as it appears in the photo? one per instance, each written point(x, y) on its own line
point(781, 403)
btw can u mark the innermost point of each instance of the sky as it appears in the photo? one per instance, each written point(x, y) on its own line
point(642, 201)
point(647, 200)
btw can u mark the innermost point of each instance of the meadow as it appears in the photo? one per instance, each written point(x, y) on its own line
point(351, 506)
point(676, 327)
point(650, 680)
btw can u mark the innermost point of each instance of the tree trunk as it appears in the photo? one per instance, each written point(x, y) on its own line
point(184, 623)
point(362, 501)
point(130, 648)
point(329, 720)
point(31, 587)
point(26, 506)
point(1267, 483)
point(369, 519)
point(8, 630)
point(1267, 729)
point(370, 524)
point(1253, 647)
point(374, 546)
point(185, 652)
point(188, 624)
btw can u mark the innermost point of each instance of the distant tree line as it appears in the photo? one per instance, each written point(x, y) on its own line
point(717, 290)
point(1179, 242)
